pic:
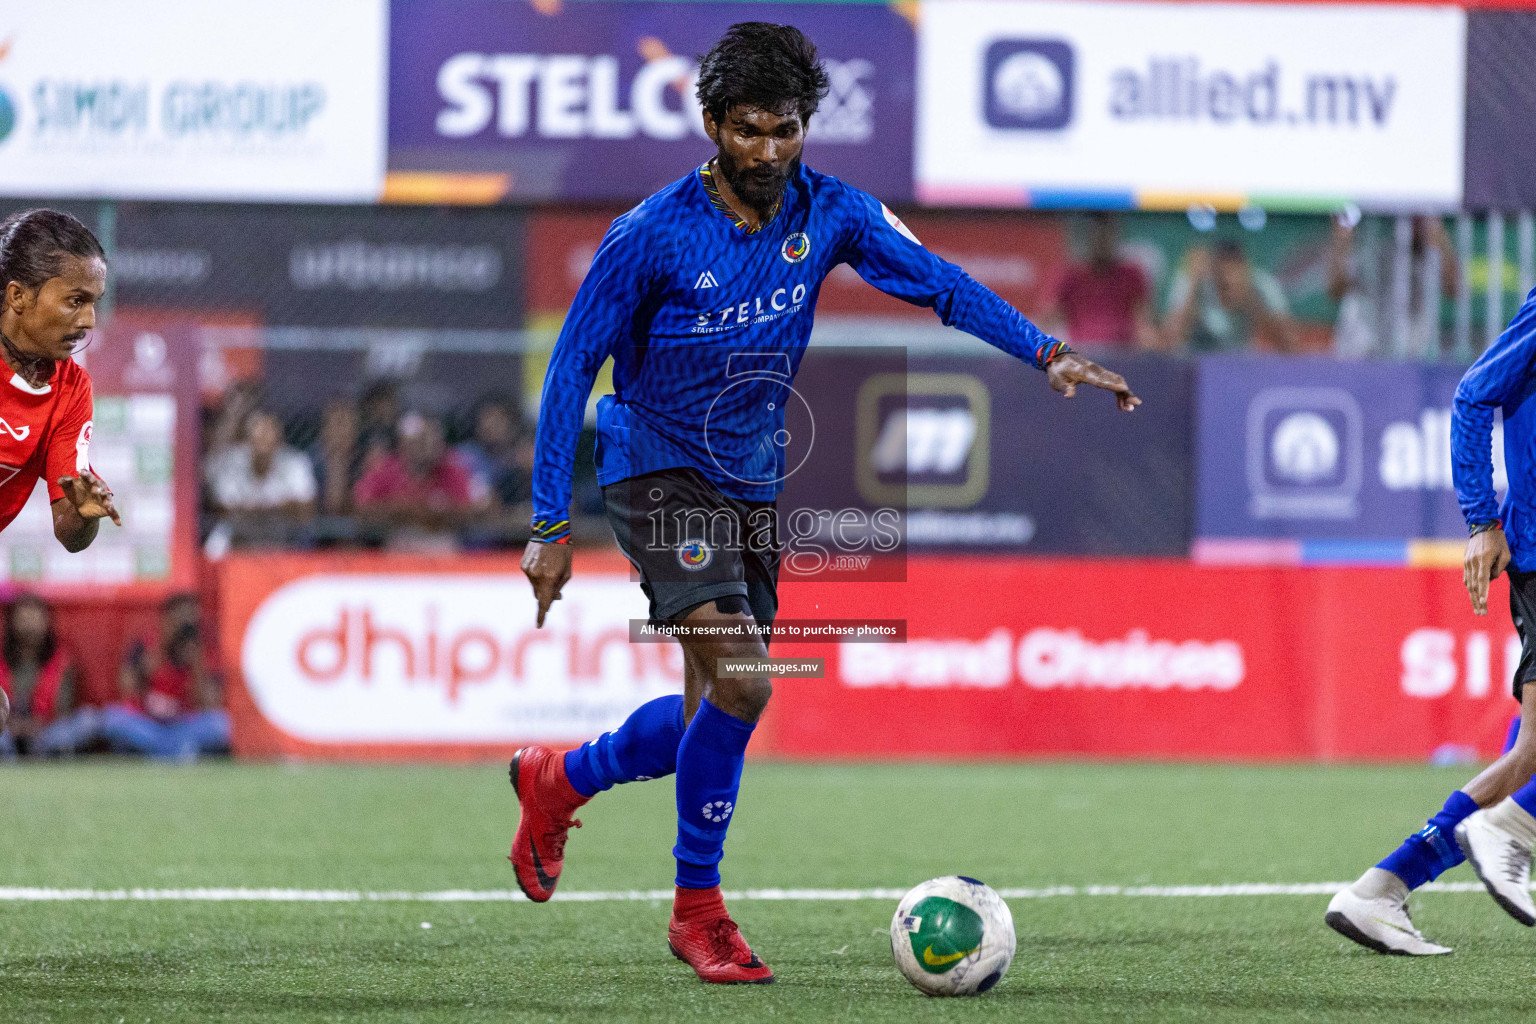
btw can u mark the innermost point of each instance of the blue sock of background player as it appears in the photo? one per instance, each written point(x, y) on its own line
point(644, 747)
point(1426, 854)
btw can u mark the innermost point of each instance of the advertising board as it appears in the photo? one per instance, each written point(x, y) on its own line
point(401, 656)
point(1062, 103)
point(595, 101)
point(1321, 450)
point(178, 99)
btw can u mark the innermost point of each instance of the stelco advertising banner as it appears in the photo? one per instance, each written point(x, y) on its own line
point(1066, 103)
point(394, 656)
point(181, 99)
point(595, 101)
point(1318, 450)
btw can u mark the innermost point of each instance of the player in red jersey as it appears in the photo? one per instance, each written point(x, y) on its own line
point(53, 271)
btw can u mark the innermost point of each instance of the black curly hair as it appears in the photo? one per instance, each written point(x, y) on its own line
point(35, 243)
point(760, 64)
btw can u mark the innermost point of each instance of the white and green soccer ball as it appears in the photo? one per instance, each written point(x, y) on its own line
point(953, 936)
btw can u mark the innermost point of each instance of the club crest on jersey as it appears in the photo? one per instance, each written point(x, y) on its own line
point(796, 247)
point(694, 555)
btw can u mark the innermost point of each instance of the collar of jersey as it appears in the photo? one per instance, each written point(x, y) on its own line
point(18, 381)
point(707, 176)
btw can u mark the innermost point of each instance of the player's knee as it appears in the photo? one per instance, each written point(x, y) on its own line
point(744, 697)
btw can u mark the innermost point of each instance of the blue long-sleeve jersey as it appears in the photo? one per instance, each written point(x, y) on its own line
point(707, 321)
point(1504, 377)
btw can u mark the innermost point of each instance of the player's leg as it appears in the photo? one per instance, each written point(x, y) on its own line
point(1498, 840)
point(699, 916)
point(552, 785)
point(709, 766)
point(1374, 909)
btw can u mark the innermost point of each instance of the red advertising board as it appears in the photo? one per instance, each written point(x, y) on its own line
point(395, 656)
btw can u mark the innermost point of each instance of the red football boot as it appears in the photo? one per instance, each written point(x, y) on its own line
point(546, 800)
point(704, 937)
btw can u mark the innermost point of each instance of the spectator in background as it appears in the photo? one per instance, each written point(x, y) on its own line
point(39, 676)
point(337, 456)
point(1360, 280)
point(421, 490)
point(170, 704)
point(1105, 302)
point(262, 474)
point(499, 454)
point(378, 416)
point(1222, 303)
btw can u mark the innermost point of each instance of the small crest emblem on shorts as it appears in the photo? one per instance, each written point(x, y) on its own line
point(694, 555)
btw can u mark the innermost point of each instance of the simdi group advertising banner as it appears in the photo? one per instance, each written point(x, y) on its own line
point(595, 100)
point(395, 656)
point(1060, 102)
point(181, 99)
point(1351, 460)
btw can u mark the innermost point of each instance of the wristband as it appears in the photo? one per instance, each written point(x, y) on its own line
point(552, 531)
point(1478, 528)
point(1048, 353)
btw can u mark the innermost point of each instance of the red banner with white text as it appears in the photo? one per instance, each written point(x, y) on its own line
point(409, 656)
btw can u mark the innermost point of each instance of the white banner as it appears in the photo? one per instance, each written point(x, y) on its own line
point(1052, 102)
point(424, 658)
point(186, 99)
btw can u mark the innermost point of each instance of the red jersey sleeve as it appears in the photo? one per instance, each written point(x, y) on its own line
point(69, 440)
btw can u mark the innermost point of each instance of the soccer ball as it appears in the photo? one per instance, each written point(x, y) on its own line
point(953, 936)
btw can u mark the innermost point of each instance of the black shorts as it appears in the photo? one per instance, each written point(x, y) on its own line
point(1522, 608)
point(692, 544)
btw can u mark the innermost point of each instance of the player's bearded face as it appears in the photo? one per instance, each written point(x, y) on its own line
point(759, 150)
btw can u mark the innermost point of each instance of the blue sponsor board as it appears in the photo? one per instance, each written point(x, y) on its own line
point(594, 101)
point(1321, 451)
point(982, 455)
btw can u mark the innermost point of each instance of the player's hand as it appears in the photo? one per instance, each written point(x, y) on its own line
point(91, 498)
point(1069, 370)
point(548, 568)
point(1487, 556)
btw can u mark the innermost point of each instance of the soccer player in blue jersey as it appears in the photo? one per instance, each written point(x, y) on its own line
point(722, 267)
point(1491, 821)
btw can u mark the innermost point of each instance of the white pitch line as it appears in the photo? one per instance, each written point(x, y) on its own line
point(26, 894)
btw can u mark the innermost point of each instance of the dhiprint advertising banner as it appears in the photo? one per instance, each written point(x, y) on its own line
point(181, 99)
point(595, 101)
point(395, 656)
point(1067, 103)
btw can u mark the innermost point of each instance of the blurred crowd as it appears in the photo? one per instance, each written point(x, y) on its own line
point(1219, 301)
point(368, 472)
point(167, 703)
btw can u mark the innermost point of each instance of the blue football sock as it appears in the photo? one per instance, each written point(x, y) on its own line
point(1425, 854)
point(644, 747)
point(1510, 737)
point(708, 775)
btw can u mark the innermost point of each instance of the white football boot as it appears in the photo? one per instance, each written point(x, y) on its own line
point(1381, 924)
point(1501, 856)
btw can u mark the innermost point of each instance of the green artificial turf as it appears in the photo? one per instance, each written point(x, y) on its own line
point(109, 825)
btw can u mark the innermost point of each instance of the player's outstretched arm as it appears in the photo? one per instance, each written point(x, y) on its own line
point(887, 255)
point(1070, 369)
point(77, 516)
